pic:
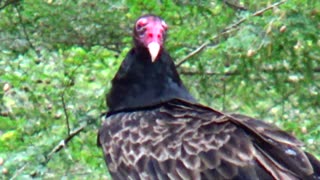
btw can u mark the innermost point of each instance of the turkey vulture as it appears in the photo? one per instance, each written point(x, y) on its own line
point(155, 129)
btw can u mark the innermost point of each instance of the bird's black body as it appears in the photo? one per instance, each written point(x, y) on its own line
point(139, 83)
point(156, 130)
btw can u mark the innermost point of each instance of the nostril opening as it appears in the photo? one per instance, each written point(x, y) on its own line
point(150, 35)
point(159, 36)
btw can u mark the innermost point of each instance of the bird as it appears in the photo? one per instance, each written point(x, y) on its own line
point(155, 129)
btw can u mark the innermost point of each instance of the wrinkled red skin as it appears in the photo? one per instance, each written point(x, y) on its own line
point(149, 29)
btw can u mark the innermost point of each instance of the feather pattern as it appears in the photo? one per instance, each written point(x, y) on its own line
point(180, 140)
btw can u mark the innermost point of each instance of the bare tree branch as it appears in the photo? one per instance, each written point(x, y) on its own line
point(227, 30)
point(63, 143)
point(204, 45)
point(210, 73)
point(257, 13)
point(232, 73)
point(18, 172)
point(199, 49)
point(65, 112)
point(235, 5)
point(24, 28)
point(8, 2)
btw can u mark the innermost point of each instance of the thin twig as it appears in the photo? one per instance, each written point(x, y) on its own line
point(200, 48)
point(18, 172)
point(257, 13)
point(24, 28)
point(65, 112)
point(260, 12)
point(232, 73)
point(8, 2)
point(17, 7)
point(235, 6)
point(210, 73)
point(204, 45)
point(227, 30)
point(63, 143)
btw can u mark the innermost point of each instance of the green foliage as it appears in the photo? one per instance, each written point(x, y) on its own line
point(33, 113)
point(57, 59)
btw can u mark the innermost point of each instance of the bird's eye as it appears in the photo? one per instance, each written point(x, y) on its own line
point(141, 31)
point(140, 26)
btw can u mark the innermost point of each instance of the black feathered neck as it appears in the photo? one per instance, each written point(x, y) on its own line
point(139, 83)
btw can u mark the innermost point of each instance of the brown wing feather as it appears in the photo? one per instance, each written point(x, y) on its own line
point(179, 140)
point(284, 149)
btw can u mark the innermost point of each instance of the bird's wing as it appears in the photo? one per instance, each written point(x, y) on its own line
point(179, 140)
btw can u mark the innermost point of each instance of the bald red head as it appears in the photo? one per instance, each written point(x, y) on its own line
point(149, 32)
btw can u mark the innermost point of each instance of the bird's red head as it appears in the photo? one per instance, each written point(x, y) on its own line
point(150, 32)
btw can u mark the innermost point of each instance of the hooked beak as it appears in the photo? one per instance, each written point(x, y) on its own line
point(154, 49)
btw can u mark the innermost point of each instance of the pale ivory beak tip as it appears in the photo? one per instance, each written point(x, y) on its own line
point(154, 49)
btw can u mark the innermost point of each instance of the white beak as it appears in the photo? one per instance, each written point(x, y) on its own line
point(154, 49)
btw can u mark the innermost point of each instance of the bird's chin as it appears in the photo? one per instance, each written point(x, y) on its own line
point(154, 49)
